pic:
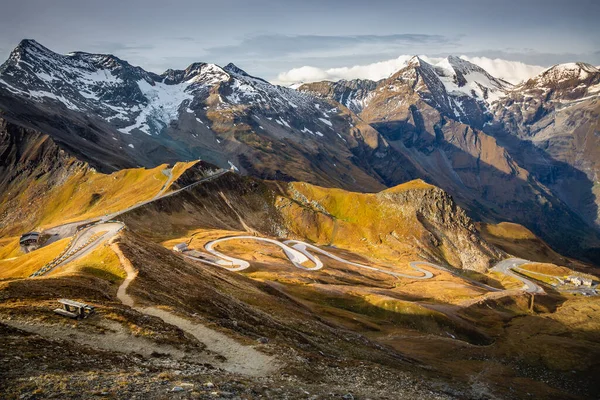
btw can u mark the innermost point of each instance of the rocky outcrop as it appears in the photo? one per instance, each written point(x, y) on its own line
point(451, 232)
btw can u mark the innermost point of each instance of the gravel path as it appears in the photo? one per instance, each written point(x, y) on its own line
point(240, 359)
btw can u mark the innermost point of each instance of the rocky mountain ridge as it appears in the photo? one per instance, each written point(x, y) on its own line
point(223, 115)
point(540, 135)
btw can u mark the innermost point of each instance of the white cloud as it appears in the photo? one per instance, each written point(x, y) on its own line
point(374, 71)
point(511, 71)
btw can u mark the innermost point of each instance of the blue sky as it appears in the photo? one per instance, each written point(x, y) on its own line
point(267, 37)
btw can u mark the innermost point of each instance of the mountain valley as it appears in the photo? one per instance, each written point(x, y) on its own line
point(432, 235)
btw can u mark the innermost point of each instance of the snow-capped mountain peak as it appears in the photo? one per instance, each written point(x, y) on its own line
point(460, 89)
point(561, 73)
point(124, 95)
point(414, 62)
point(198, 72)
point(133, 100)
point(465, 78)
point(457, 87)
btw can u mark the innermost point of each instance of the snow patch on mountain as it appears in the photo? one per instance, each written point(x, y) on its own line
point(565, 72)
point(463, 78)
point(164, 102)
point(326, 122)
point(37, 94)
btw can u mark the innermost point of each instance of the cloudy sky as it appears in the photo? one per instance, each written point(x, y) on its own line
point(284, 40)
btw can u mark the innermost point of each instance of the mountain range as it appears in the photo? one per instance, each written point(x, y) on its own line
point(524, 153)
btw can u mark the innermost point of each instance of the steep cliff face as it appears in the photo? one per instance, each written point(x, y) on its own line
point(552, 123)
point(353, 94)
point(31, 165)
point(452, 233)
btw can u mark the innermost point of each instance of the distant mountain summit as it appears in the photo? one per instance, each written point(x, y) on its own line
point(458, 87)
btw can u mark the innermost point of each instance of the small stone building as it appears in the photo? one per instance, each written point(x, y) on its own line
point(180, 248)
point(29, 241)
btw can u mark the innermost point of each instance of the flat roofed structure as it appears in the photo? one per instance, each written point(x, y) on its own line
point(29, 238)
point(181, 247)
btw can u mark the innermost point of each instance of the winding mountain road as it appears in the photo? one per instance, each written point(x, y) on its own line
point(506, 266)
point(302, 246)
point(296, 257)
point(298, 253)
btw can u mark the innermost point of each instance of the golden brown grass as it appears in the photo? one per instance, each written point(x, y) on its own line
point(255, 252)
point(507, 282)
point(88, 194)
point(9, 247)
point(445, 288)
point(101, 263)
point(92, 194)
point(519, 241)
point(547, 269)
point(509, 230)
point(181, 167)
point(538, 277)
point(25, 265)
point(197, 238)
point(565, 340)
point(411, 185)
point(359, 222)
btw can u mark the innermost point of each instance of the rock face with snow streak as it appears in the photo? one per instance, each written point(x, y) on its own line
point(558, 114)
point(457, 88)
point(354, 94)
point(84, 82)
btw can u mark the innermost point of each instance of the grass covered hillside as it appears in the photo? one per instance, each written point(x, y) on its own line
point(87, 194)
point(410, 221)
point(42, 185)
